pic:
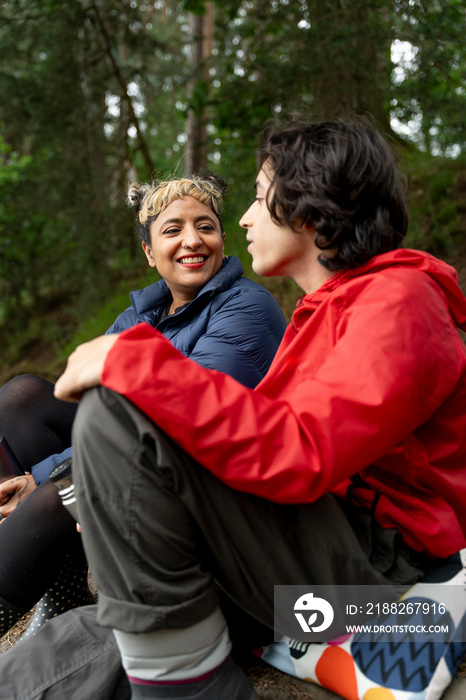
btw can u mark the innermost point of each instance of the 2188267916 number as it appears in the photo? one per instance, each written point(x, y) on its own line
point(405, 608)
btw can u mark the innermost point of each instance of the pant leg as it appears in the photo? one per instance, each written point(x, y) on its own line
point(159, 529)
point(140, 539)
point(70, 657)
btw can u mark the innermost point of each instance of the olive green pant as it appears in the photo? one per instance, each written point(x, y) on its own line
point(163, 535)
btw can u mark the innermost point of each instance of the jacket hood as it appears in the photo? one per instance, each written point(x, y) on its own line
point(444, 275)
point(158, 295)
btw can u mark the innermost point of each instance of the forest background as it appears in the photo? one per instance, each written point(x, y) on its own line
point(94, 93)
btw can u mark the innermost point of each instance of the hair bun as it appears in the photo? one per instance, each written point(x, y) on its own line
point(135, 195)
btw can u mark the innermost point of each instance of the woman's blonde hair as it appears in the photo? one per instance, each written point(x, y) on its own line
point(149, 200)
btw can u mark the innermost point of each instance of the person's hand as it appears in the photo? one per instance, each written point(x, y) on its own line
point(84, 368)
point(13, 492)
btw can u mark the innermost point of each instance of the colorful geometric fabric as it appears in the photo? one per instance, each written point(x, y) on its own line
point(384, 668)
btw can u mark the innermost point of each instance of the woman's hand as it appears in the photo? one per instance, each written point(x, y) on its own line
point(84, 368)
point(13, 492)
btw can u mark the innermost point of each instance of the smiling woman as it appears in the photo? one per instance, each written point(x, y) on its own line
point(208, 311)
point(185, 245)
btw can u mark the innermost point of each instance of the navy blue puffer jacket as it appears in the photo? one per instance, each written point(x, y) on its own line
point(233, 325)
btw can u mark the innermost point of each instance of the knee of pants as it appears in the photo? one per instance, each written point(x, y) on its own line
point(96, 436)
point(86, 421)
point(113, 445)
point(101, 418)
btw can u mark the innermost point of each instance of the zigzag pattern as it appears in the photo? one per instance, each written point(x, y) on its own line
point(410, 669)
point(401, 664)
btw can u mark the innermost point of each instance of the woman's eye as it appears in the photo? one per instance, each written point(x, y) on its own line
point(171, 230)
point(206, 227)
point(258, 199)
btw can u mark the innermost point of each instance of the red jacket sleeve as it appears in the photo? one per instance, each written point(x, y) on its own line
point(388, 361)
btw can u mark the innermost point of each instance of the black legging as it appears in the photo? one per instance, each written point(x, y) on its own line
point(34, 422)
point(36, 536)
point(34, 540)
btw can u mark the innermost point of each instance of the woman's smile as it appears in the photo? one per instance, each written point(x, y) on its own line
point(193, 261)
point(186, 247)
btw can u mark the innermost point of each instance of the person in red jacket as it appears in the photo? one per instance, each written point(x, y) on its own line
point(345, 465)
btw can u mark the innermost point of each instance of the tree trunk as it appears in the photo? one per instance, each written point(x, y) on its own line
point(202, 28)
point(350, 48)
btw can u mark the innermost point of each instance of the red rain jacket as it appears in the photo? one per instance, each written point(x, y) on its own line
point(370, 379)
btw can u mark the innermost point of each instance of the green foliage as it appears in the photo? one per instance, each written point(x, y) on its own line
point(437, 204)
point(95, 94)
point(430, 95)
point(104, 314)
point(195, 6)
point(19, 234)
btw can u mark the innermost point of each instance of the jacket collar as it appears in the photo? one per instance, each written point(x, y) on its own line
point(158, 295)
point(443, 274)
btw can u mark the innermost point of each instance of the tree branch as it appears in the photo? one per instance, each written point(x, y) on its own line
point(110, 51)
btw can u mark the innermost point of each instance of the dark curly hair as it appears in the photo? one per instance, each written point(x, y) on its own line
point(340, 177)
